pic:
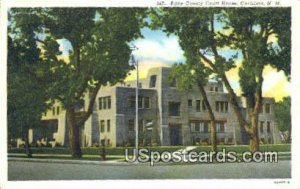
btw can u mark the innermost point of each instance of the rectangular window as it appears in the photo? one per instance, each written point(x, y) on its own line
point(57, 110)
point(217, 106)
point(190, 103)
point(102, 126)
point(140, 102)
point(104, 103)
point(216, 89)
point(152, 81)
point(261, 127)
point(146, 102)
point(174, 108)
point(108, 102)
point(192, 124)
point(220, 126)
point(140, 85)
point(222, 106)
point(226, 107)
point(201, 127)
point(53, 110)
point(268, 126)
point(198, 105)
point(131, 125)
point(206, 127)
point(108, 125)
point(100, 103)
point(197, 127)
point(268, 108)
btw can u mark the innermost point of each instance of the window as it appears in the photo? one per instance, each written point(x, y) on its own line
point(211, 89)
point(222, 106)
point(146, 102)
point(217, 106)
point(198, 105)
point(152, 81)
point(108, 102)
point(105, 102)
point(131, 125)
point(57, 110)
point(140, 102)
point(174, 108)
point(268, 107)
point(192, 125)
point(216, 89)
point(268, 126)
point(261, 127)
point(220, 126)
point(206, 127)
point(53, 110)
point(100, 103)
point(108, 125)
point(199, 126)
point(190, 103)
point(140, 85)
point(226, 106)
point(102, 126)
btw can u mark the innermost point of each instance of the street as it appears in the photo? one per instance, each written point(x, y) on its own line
point(20, 170)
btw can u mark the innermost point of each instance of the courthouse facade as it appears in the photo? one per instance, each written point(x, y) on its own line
point(167, 116)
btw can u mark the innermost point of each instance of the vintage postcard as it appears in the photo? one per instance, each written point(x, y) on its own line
point(162, 93)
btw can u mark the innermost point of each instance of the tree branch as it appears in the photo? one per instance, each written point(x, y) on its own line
point(90, 107)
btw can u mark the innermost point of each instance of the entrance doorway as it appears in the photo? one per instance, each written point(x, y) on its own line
point(175, 134)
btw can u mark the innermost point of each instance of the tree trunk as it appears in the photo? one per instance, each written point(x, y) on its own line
point(213, 134)
point(27, 145)
point(74, 132)
point(254, 139)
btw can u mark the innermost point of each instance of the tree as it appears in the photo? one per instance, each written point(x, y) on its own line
point(252, 31)
point(99, 54)
point(189, 74)
point(248, 31)
point(283, 116)
point(26, 94)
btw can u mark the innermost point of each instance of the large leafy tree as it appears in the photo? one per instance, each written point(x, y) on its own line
point(204, 33)
point(99, 40)
point(27, 96)
point(191, 74)
point(283, 116)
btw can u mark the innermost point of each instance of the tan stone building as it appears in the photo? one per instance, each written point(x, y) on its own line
point(177, 118)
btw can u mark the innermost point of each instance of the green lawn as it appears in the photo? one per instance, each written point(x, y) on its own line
point(121, 150)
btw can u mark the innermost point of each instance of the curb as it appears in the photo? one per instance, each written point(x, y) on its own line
point(89, 162)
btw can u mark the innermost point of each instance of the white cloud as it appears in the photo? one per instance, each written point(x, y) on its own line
point(166, 50)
